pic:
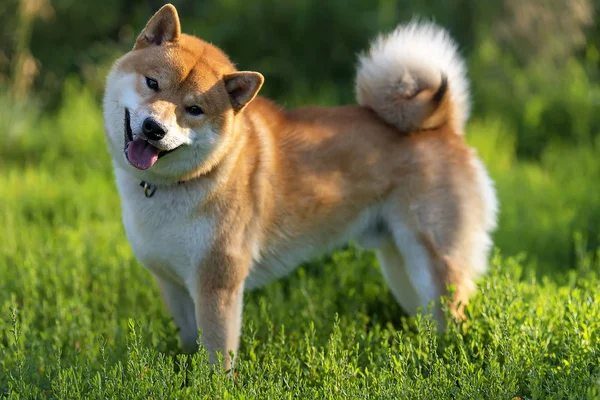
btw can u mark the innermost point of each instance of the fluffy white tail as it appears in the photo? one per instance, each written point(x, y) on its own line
point(415, 79)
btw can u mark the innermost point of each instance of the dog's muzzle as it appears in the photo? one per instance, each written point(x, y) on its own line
point(140, 152)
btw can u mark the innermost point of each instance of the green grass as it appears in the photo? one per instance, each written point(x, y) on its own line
point(80, 318)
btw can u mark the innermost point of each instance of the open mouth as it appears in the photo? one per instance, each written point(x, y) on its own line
point(140, 152)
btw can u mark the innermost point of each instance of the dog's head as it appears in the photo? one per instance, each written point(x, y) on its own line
point(171, 103)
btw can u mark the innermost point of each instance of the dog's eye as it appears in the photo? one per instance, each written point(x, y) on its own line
point(194, 110)
point(152, 84)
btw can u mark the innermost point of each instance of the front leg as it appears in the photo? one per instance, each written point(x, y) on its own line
point(219, 302)
point(181, 307)
point(219, 316)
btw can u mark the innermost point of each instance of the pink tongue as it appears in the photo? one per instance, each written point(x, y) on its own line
point(142, 154)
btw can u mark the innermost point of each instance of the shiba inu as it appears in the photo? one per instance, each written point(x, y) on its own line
point(222, 190)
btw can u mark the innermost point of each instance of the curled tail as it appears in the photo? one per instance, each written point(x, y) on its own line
point(415, 79)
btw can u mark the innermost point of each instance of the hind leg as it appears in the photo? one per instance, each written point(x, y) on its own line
point(441, 225)
point(394, 272)
point(435, 262)
point(416, 276)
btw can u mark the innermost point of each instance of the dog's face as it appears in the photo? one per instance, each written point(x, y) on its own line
point(171, 103)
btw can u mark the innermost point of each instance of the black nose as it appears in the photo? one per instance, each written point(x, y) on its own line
point(152, 129)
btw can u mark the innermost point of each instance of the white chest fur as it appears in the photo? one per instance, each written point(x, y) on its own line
point(167, 235)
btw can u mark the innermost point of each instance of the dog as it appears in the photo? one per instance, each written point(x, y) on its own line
point(223, 190)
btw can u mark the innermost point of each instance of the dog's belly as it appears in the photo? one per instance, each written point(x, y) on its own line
point(278, 263)
point(283, 258)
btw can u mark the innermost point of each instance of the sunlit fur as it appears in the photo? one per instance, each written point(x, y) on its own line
point(254, 189)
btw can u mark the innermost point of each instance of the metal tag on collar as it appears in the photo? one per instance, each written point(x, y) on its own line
point(149, 189)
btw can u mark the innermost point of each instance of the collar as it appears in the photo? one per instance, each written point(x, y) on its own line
point(149, 189)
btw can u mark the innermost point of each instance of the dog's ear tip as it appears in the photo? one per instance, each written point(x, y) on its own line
point(170, 8)
point(164, 26)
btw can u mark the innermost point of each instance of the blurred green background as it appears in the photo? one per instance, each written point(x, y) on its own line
point(533, 65)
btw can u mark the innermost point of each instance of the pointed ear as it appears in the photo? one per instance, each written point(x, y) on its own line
point(163, 27)
point(242, 88)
